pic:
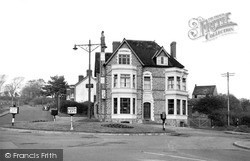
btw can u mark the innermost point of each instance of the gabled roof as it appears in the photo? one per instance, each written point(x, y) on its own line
point(157, 53)
point(146, 51)
point(204, 90)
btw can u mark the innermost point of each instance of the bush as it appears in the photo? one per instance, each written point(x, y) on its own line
point(82, 108)
point(245, 120)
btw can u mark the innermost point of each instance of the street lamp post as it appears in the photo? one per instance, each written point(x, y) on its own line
point(89, 85)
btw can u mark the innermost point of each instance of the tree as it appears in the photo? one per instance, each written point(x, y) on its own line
point(56, 88)
point(245, 104)
point(33, 88)
point(14, 86)
point(216, 108)
point(2, 80)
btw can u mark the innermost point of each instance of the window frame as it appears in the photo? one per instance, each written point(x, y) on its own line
point(184, 84)
point(171, 82)
point(171, 106)
point(146, 83)
point(115, 105)
point(184, 104)
point(178, 83)
point(127, 80)
point(124, 59)
point(115, 80)
point(122, 102)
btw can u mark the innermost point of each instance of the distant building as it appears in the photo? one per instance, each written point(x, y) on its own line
point(70, 95)
point(203, 91)
point(79, 91)
point(138, 81)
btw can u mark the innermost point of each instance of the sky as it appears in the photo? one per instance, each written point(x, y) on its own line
point(37, 37)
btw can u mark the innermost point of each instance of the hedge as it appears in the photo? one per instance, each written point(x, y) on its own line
point(82, 108)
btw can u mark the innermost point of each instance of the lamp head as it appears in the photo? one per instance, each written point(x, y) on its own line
point(75, 48)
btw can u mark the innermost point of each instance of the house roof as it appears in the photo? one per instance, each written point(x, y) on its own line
point(204, 90)
point(97, 61)
point(145, 51)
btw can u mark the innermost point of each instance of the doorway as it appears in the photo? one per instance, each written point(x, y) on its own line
point(147, 111)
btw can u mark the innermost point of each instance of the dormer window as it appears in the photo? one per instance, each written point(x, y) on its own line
point(162, 60)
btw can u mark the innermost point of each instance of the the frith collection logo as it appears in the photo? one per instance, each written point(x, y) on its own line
point(212, 27)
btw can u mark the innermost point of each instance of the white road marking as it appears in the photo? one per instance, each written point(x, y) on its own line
point(175, 156)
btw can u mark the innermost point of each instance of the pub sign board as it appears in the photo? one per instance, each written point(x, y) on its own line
point(72, 110)
point(14, 110)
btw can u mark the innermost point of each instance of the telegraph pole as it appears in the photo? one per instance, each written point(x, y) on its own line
point(228, 102)
point(89, 71)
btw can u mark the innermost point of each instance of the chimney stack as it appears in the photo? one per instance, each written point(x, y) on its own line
point(80, 78)
point(103, 45)
point(89, 72)
point(173, 49)
point(116, 44)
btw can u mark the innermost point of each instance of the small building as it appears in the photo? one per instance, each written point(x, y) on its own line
point(203, 91)
point(79, 91)
point(138, 81)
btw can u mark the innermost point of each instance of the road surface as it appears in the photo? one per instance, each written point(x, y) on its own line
point(189, 145)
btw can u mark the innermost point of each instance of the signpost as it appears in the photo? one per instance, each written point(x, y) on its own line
point(71, 111)
point(14, 110)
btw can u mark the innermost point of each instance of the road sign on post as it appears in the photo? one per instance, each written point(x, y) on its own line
point(14, 110)
point(71, 111)
point(89, 85)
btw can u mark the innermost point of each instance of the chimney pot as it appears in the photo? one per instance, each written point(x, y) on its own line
point(80, 78)
point(103, 45)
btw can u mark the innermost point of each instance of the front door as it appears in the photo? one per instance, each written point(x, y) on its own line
point(147, 111)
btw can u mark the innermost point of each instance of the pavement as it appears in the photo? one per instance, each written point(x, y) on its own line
point(4, 113)
point(240, 144)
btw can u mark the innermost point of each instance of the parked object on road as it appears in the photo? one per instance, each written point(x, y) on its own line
point(46, 108)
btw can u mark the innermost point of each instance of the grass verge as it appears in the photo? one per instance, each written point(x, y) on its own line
point(86, 125)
